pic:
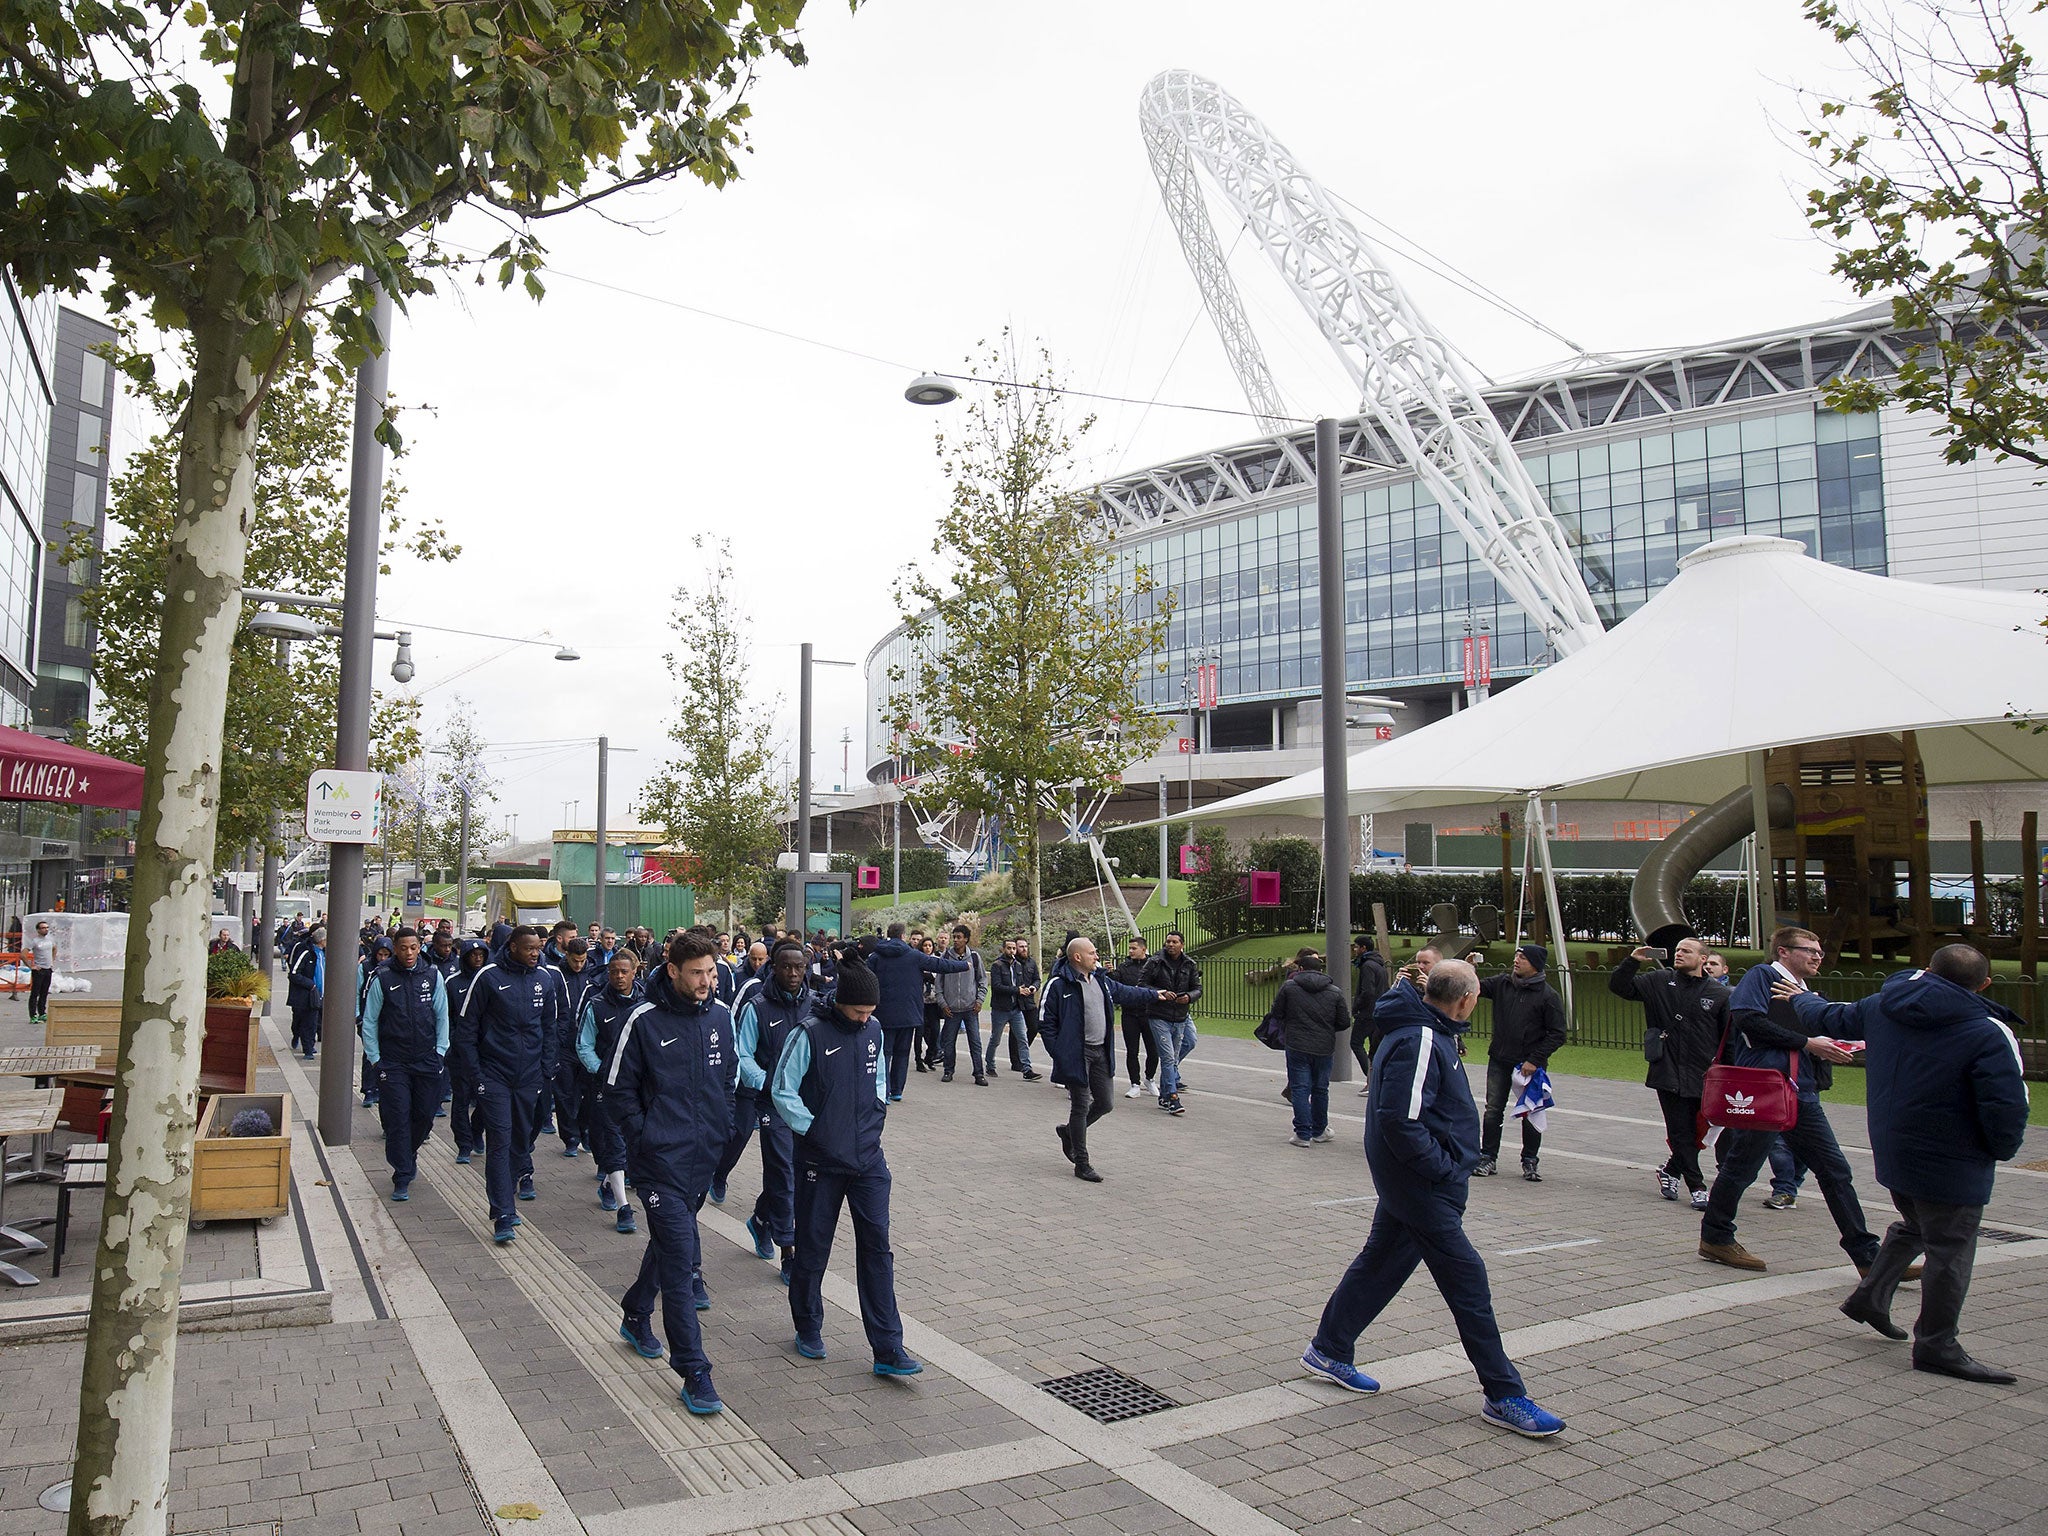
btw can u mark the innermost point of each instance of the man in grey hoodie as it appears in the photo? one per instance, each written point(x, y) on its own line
point(961, 994)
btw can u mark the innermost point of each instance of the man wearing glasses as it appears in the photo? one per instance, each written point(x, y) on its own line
point(1775, 1018)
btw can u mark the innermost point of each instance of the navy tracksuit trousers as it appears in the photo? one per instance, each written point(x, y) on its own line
point(507, 1112)
point(898, 1043)
point(819, 1195)
point(571, 1116)
point(672, 1256)
point(775, 1208)
point(1426, 1229)
point(607, 1142)
point(408, 1093)
point(463, 1119)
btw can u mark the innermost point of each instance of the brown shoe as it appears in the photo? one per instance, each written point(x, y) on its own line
point(1734, 1255)
point(1912, 1273)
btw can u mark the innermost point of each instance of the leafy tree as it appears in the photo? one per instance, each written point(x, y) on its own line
point(243, 171)
point(1030, 634)
point(1934, 196)
point(717, 798)
point(279, 725)
point(432, 786)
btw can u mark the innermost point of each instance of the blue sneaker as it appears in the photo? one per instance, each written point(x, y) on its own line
point(515, 1220)
point(698, 1395)
point(526, 1189)
point(441, 1113)
point(697, 1292)
point(503, 1233)
point(1349, 1377)
point(895, 1098)
point(570, 1149)
point(900, 1365)
point(718, 1192)
point(401, 1192)
point(785, 1270)
point(811, 1348)
point(606, 1200)
point(547, 1128)
point(764, 1248)
point(462, 1157)
point(1522, 1416)
point(639, 1332)
point(625, 1223)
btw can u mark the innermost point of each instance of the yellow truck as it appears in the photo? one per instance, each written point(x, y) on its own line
point(520, 902)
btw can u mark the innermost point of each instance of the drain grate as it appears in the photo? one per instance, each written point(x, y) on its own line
point(2003, 1235)
point(1107, 1396)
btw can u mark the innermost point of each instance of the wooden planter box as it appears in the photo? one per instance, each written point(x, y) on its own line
point(242, 1178)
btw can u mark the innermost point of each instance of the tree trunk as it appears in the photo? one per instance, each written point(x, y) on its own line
point(1027, 873)
point(122, 1471)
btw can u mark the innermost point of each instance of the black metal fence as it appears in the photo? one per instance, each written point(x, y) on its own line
point(1243, 990)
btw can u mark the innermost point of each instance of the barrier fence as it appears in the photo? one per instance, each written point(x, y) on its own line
point(1243, 990)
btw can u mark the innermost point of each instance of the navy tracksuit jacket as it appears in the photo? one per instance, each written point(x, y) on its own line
point(1422, 1143)
point(503, 1040)
point(828, 1088)
point(669, 1086)
point(764, 1017)
point(597, 1038)
point(405, 1037)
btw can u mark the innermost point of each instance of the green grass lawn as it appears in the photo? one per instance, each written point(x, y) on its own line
point(884, 899)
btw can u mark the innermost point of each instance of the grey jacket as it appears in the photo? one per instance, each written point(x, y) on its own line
point(964, 991)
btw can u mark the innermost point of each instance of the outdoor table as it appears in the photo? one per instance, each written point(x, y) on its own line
point(43, 1061)
point(23, 1112)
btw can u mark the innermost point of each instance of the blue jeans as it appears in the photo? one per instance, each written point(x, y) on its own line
point(1308, 1084)
point(1812, 1140)
point(1011, 1019)
point(969, 1020)
point(1787, 1172)
point(1176, 1042)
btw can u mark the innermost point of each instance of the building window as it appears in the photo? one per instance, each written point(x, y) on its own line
point(92, 379)
point(75, 624)
point(88, 438)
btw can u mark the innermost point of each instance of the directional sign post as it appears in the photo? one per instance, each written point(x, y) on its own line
point(344, 807)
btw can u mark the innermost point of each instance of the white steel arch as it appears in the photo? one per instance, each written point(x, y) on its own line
point(1426, 403)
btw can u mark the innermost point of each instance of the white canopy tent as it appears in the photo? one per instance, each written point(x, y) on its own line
point(1753, 645)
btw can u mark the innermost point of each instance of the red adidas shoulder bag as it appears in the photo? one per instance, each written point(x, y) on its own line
point(1750, 1098)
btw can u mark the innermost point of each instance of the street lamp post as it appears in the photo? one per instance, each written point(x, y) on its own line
point(1336, 785)
point(352, 726)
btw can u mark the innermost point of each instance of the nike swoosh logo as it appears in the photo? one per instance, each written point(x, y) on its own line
point(671, 1040)
point(835, 1049)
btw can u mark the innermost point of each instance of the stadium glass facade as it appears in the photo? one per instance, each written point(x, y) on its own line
point(28, 333)
point(1246, 585)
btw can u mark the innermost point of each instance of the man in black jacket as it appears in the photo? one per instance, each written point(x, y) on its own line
point(1310, 1009)
point(1686, 1011)
point(1528, 1024)
point(1175, 976)
point(1137, 1018)
point(1011, 981)
point(1368, 984)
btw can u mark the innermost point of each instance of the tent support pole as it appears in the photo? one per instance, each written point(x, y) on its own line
point(1765, 911)
point(1541, 835)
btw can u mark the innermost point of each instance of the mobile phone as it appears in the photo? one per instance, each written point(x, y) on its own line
point(1661, 956)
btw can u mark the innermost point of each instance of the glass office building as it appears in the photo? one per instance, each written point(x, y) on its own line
point(1641, 461)
point(28, 339)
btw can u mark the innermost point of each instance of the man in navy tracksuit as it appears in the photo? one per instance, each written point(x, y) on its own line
point(504, 1041)
point(307, 982)
point(830, 1090)
point(899, 971)
point(670, 1088)
point(579, 978)
point(1777, 1021)
point(471, 956)
point(605, 1011)
point(770, 1007)
point(405, 1042)
point(1948, 1103)
point(1422, 1143)
point(444, 956)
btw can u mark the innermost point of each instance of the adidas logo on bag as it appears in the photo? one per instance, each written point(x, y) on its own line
point(1740, 1103)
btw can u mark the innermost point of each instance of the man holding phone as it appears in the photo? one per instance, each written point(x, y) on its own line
point(1684, 1011)
point(1776, 1017)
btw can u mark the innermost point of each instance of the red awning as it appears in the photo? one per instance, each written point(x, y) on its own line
point(33, 767)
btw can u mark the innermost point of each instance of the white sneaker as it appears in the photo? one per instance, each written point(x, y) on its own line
point(1135, 1092)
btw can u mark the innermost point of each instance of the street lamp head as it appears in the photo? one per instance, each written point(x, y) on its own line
point(568, 653)
point(931, 389)
point(270, 625)
point(401, 666)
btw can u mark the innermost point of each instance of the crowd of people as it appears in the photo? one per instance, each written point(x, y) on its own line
point(663, 1060)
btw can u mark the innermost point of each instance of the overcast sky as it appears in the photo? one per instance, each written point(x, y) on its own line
point(946, 167)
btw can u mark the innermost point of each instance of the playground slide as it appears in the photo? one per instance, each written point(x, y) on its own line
point(1654, 900)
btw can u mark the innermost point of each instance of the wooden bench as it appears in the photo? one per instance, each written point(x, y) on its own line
point(227, 1047)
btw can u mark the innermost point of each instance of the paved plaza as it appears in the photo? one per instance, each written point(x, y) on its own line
point(456, 1378)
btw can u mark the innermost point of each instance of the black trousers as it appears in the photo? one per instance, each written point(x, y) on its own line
point(928, 1035)
point(1500, 1084)
point(1947, 1234)
point(1088, 1102)
point(39, 993)
point(1137, 1030)
point(1812, 1140)
point(1681, 1133)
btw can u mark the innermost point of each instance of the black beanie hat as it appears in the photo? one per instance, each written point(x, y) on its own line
point(857, 986)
